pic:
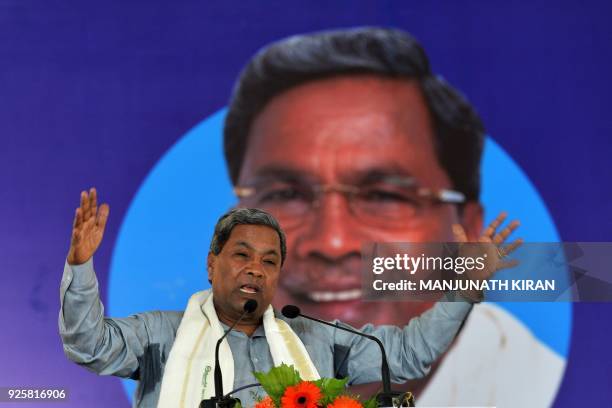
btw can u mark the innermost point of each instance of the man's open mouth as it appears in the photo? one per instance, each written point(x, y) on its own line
point(250, 289)
point(334, 296)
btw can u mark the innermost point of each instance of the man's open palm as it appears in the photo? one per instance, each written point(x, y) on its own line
point(491, 244)
point(88, 228)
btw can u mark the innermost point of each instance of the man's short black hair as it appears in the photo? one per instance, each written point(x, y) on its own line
point(245, 216)
point(459, 132)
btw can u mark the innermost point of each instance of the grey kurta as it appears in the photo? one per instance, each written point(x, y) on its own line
point(138, 346)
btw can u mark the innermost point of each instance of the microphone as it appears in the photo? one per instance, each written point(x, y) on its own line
point(219, 400)
point(386, 397)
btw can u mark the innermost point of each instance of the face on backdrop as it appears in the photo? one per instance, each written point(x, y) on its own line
point(347, 131)
point(246, 268)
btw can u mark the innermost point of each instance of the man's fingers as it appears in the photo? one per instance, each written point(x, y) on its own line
point(93, 201)
point(490, 230)
point(88, 224)
point(508, 249)
point(459, 233)
point(103, 216)
point(503, 235)
point(78, 219)
point(83, 202)
point(85, 205)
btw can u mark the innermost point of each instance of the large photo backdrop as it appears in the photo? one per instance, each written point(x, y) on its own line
point(131, 98)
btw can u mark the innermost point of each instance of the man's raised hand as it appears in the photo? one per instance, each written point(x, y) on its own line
point(88, 228)
point(492, 244)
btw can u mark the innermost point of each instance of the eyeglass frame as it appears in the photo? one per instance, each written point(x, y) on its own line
point(439, 196)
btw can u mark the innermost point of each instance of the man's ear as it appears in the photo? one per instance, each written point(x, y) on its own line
point(210, 266)
point(472, 220)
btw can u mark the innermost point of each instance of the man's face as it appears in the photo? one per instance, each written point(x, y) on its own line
point(246, 268)
point(346, 130)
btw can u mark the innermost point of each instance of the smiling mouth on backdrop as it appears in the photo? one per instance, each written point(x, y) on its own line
point(323, 296)
point(326, 293)
point(323, 283)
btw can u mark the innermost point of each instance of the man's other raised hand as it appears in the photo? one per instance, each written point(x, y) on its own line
point(88, 228)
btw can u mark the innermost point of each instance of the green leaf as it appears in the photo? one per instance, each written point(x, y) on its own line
point(330, 388)
point(371, 403)
point(277, 379)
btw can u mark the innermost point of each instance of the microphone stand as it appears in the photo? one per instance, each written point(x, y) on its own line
point(387, 398)
point(220, 400)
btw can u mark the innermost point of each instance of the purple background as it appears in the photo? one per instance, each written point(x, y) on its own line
point(94, 94)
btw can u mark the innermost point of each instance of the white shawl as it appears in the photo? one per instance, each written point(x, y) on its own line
point(188, 375)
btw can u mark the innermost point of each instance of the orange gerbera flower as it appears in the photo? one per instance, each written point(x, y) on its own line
point(345, 402)
point(304, 395)
point(265, 403)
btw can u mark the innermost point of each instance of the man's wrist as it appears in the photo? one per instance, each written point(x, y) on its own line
point(73, 261)
point(82, 275)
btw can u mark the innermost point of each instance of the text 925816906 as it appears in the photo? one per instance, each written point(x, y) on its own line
point(16, 394)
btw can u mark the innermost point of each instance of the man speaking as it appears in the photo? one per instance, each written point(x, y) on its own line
point(172, 354)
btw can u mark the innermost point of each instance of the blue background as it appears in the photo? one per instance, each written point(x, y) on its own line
point(95, 94)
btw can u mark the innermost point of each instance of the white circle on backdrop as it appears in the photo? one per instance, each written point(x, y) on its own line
point(159, 259)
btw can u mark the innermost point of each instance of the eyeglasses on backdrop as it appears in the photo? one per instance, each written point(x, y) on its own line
point(388, 203)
